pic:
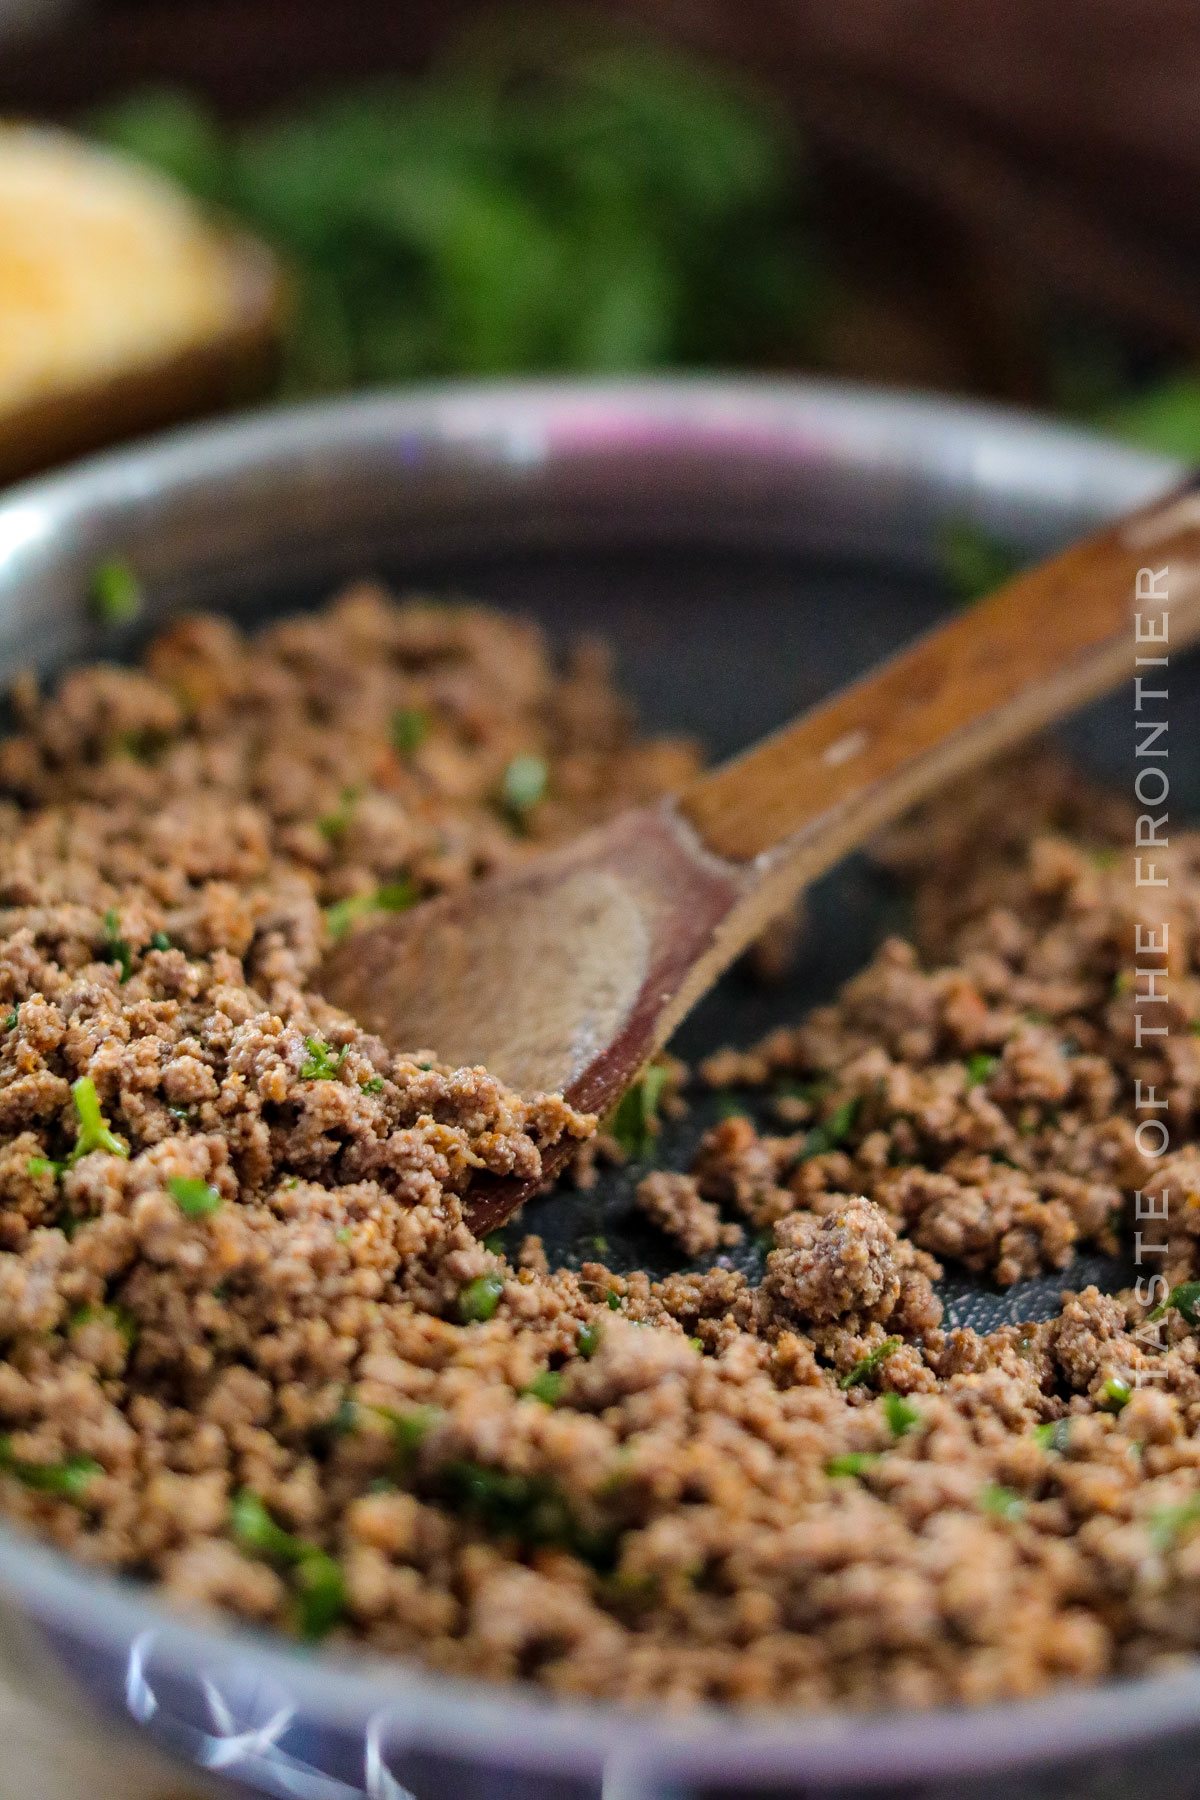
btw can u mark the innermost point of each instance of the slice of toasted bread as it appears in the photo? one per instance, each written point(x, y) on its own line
point(121, 306)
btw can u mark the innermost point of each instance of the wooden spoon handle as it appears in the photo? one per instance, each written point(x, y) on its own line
point(991, 676)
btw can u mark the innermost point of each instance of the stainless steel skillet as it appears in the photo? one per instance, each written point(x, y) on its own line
point(820, 510)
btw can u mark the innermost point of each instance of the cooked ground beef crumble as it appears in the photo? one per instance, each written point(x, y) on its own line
point(252, 1353)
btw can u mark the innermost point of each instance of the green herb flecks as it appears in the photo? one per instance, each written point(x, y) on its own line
point(479, 1299)
point(973, 561)
point(159, 941)
point(334, 825)
point(900, 1413)
point(588, 1341)
point(115, 593)
point(524, 783)
point(10, 1023)
point(1185, 1298)
point(866, 1365)
point(373, 1085)
point(393, 896)
point(1168, 1523)
point(195, 1198)
point(980, 1068)
point(410, 728)
point(546, 1387)
point(1115, 1395)
point(833, 1132)
point(42, 1165)
point(1054, 1435)
point(1004, 1502)
point(67, 1480)
point(321, 1064)
point(635, 1118)
point(409, 1429)
point(529, 1509)
point(116, 1317)
point(854, 1462)
point(116, 949)
point(317, 1581)
point(94, 1132)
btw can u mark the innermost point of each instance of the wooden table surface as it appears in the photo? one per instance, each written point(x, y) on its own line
point(45, 1755)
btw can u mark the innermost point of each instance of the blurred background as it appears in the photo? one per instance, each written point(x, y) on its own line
point(1001, 201)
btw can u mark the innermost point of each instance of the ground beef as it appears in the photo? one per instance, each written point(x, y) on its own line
point(674, 1203)
point(251, 1352)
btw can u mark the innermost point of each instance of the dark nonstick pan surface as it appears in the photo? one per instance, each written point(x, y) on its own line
point(725, 647)
point(747, 548)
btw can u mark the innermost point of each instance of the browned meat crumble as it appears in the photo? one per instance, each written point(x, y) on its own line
point(250, 1349)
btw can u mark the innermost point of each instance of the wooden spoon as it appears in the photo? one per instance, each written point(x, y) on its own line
point(567, 974)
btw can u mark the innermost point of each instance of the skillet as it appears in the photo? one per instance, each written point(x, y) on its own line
point(748, 546)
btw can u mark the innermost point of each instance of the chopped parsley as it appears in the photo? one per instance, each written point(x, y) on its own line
point(635, 1116)
point(195, 1198)
point(410, 728)
point(524, 783)
point(94, 1132)
point(115, 594)
point(374, 1085)
point(321, 1064)
point(867, 1364)
point(116, 949)
point(613, 1299)
point(854, 1462)
point(10, 1024)
point(317, 1581)
point(479, 1299)
point(900, 1413)
point(68, 1480)
point(393, 896)
point(159, 940)
point(979, 1068)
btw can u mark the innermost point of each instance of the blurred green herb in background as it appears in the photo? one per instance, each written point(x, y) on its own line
point(561, 200)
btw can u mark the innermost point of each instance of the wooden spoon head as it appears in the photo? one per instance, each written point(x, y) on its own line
point(561, 977)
